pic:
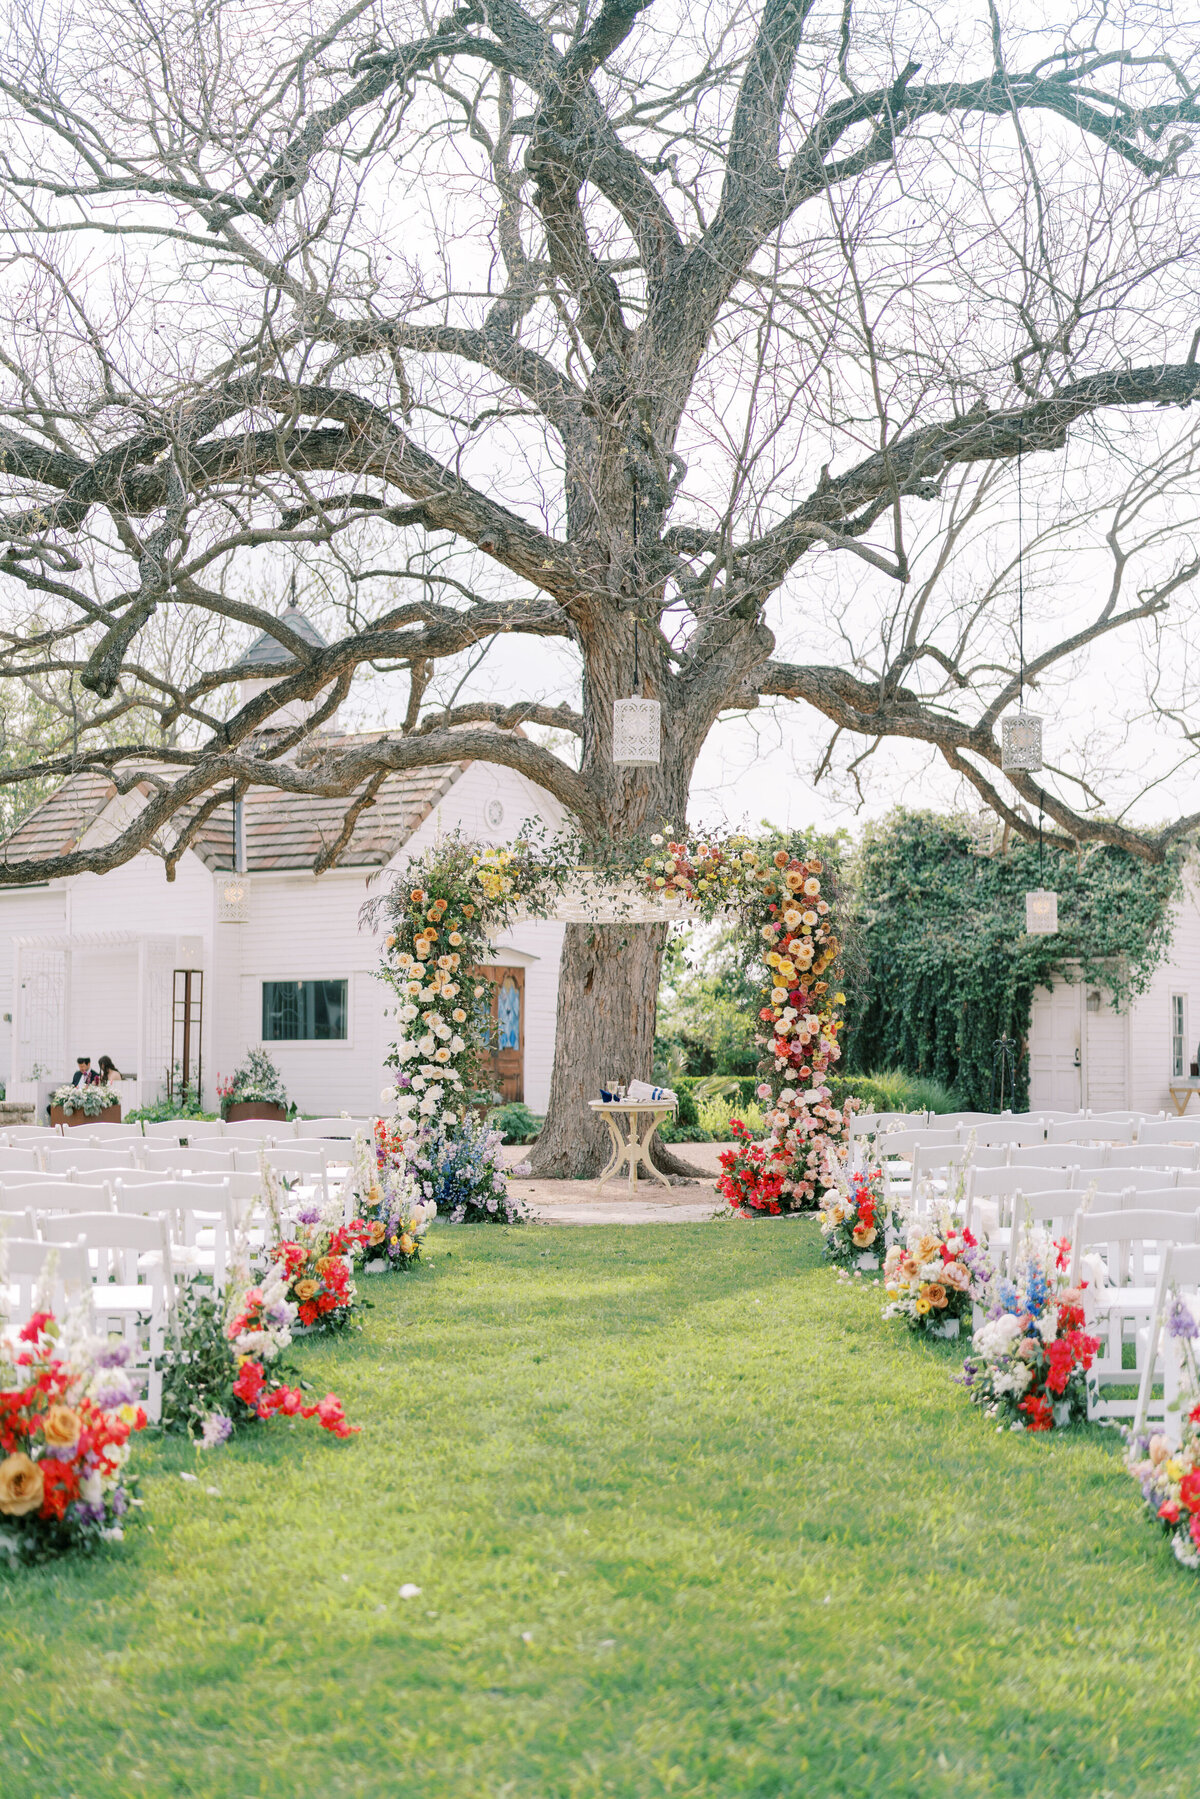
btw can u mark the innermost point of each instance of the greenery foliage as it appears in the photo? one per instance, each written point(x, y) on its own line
point(943, 965)
point(890, 1090)
point(515, 1122)
point(90, 1100)
point(184, 1104)
point(257, 1081)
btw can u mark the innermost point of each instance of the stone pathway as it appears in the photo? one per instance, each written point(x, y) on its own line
point(576, 1202)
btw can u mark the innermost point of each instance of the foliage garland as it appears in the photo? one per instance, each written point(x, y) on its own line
point(943, 966)
point(453, 901)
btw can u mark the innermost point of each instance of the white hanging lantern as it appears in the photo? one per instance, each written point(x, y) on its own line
point(1041, 913)
point(233, 903)
point(1021, 743)
point(637, 733)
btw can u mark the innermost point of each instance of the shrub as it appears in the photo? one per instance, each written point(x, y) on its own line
point(515, 1122)
point(91, 1101)
point(183, 1105)
point(889, 1090)
point(257, 1081)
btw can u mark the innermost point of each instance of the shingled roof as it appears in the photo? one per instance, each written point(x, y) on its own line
point(267, 651)
point(283, 830)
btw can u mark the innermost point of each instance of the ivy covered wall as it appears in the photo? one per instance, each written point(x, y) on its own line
point(939, 963)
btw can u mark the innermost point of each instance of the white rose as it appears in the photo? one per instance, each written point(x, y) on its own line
point(408, 1013)
point(405, 1050)
point(427, 1044)
point(418, 1081)
point(442, 1029)
point(457, 1044)
point(387, 1095)
point(428, 1106)
point(447, 1117)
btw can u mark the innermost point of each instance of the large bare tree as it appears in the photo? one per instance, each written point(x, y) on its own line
point(576, 322)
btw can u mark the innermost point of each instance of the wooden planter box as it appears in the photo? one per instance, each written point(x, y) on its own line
point(253, 1108)
point(110, 1115)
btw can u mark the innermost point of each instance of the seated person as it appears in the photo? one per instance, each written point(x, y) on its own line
point(83, 1075)
point(110, 1075)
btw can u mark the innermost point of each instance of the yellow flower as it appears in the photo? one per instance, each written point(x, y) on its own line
point(21, 1485)
point(307, 1289)
point(406, 1244)
point(1175, 1470)
point(920, 1307)
point(839, 999)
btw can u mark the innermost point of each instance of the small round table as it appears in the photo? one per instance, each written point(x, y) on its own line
point(631, 1124)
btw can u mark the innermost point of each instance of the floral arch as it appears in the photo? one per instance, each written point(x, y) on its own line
point(449, 905)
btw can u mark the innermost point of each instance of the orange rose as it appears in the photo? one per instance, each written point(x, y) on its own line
point(406, 1244)
point(375, 1232)
point(935, 1293)
point(61, 1427)
point(21, 1486)
point(306, 1290)
point(864, 1235)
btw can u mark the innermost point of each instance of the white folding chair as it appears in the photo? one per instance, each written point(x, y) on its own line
point(1139, 1180)
point(1158, 1199)
point(992, 1189)
point(299, 1167)
point(97, 1136)
point(168, 1159)
point(134, 1284)
point(1092, 1130)
point(259, 1129)
point(1154, 1155)
point(1131, 1245)
point(37, 1271)
point(59, 1195)
point(1179, 1277)
point(1184, 1130)
point(59, 1158)
point(1059, 1155)
point(1018, 1132)
point(347, 1127)
point(18, 1136)
point(208, 1217)
point(15, 1220)
point(20, 1161)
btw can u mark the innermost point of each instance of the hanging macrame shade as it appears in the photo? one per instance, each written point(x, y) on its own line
point(1041, 913)
point(637, 725)
point(637, 733)
point(1021, 743)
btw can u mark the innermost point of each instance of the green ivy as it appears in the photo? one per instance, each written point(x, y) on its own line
point(940, 966)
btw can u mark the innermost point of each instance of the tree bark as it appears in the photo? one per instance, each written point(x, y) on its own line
point(607, 1005)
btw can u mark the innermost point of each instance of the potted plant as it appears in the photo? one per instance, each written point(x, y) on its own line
point(255, 1090)
point(84, 1105)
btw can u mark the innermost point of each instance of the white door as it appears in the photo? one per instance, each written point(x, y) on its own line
point(1104, 1056)
point(1055, 1045)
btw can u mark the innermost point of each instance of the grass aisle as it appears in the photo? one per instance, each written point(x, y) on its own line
point(686, 1518)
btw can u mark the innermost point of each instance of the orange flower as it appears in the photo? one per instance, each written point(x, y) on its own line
point(936, 1294)
point(61, 1427)
point(864, 1235)
point(22, 1487)
point(306, 1290)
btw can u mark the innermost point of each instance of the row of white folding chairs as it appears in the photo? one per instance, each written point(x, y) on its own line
point(296, 1158)
point(1163, 1365)
point(192, 1130)
point(200, 1217)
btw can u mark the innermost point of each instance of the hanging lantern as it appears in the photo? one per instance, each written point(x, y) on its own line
point(233, 904)
point(1021, 743)
point(1041, 913)
point(637, 733)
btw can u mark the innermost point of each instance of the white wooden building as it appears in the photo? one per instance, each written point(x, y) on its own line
point(248, 947)
point(1082, 1052)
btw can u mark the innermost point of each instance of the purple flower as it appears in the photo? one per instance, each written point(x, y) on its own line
point(118, 1501)
point(120, 1392)
point(113, 1355)
point(217, 1429)
point(1180, 1322)
point(309, 1215)
point(278, 1314)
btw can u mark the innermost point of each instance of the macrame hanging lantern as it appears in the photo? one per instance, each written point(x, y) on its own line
point(233, 906)
point(637, 725)
point(1041, 906)
point(1041, 913)
point(1021, 743)
point(1021, 735)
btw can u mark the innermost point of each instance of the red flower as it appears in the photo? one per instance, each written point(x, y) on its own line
point(249, 1384)
point(1038, 1411)
point(1169, 1511)
point(29, 1333)
point(1189, 1490)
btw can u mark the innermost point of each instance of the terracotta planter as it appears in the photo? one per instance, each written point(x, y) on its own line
point(110, 1115)
point(253, 1108)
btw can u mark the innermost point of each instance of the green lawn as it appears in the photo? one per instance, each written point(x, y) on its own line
point(687, 1518)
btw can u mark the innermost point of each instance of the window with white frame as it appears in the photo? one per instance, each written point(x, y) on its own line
point(1178, 1035)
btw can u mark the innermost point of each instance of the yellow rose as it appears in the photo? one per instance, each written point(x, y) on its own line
point(406, 1244)
point(307, 1289)
point(21, 1485)
point(61, 1427)
point(375, 1232)
point(864, 1235)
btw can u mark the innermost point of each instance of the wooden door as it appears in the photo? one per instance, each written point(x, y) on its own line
point(504, 1063)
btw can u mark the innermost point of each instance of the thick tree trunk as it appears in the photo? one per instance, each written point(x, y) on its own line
point(607, 998)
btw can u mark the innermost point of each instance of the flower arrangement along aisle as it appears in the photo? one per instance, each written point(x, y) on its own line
point(752, 1174)
point(226, 1369)
point(857, 1222)
point(1031, 1355)
point(1169, 1473)
point(317, 1262)
point(67, 1412)
point(455, 1171)
point(450, 904)
point(937, 1273)
point(392, 1216)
